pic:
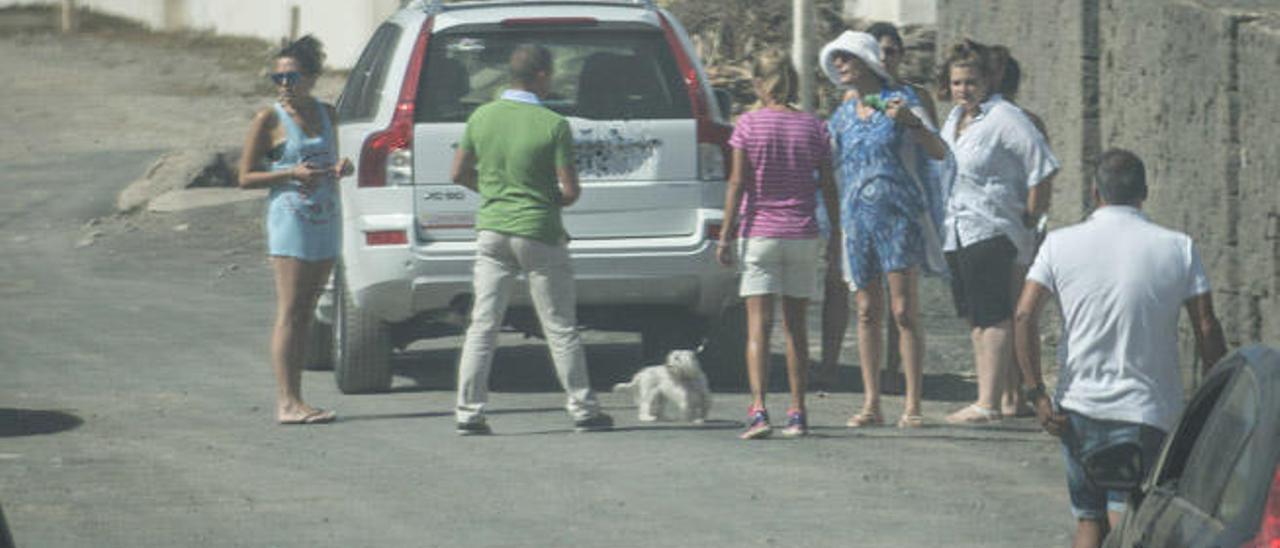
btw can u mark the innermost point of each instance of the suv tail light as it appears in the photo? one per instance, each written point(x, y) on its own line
point(1269, 529)
point(713, 136)
point(387, 156)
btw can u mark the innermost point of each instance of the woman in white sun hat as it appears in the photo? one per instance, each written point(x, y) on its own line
point(891, 166)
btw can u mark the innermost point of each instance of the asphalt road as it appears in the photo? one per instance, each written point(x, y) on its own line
point(135, 395)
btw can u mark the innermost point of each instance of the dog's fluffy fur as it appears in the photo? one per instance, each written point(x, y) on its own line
point(679, 383)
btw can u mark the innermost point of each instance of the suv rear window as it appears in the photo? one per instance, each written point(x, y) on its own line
point(359, 100)
point(600, 73)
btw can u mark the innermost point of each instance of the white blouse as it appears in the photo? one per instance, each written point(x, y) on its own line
point(999, 157)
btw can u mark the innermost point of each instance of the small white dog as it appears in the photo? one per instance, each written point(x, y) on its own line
point(679, 382)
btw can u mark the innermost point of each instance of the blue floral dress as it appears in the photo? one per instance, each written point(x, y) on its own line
point(880, 202)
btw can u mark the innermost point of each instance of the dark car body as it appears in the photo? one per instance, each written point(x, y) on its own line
point(1216, 481)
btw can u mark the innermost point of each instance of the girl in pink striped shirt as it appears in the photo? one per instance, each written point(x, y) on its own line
point(780, 156)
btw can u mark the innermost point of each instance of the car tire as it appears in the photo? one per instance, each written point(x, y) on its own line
point(724, 350)
point(6, 537)
point(319, 348)
point(361, 345)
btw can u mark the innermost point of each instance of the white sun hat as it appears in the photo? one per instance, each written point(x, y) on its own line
point(862, 45)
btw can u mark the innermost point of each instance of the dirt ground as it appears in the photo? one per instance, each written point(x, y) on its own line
point(134, 395)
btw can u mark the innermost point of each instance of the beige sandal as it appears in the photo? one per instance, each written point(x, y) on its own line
point(974, 414)
point(865, 418)
point(316, 416)
point(911, 421)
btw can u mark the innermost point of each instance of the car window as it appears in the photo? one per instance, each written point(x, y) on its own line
point(1254, 464)
point(1214, 455)
point(359, 101)
point(599, 73)
point(1189, 428)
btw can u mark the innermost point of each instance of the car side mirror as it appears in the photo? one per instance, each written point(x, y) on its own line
point(725, 101)
point(1116, 467)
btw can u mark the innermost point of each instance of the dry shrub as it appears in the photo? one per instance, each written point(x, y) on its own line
point(727, 32)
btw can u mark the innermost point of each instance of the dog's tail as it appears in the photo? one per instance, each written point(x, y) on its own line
point(624, 386)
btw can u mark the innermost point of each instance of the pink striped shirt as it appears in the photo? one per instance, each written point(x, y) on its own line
point(784, 149)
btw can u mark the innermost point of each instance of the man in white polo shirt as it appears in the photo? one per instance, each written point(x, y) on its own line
point(1120, 281)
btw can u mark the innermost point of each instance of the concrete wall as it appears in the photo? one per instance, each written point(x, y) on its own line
point(1131, 41)
point(1258, 56)
point(343, 25)
point(1192, 86)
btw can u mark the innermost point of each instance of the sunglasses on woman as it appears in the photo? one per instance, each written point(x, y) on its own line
point(286, 78)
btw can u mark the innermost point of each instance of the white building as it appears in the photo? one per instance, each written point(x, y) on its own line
point(898, 12)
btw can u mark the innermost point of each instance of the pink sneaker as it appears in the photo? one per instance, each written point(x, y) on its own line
point(757, 425)
point(797, 424)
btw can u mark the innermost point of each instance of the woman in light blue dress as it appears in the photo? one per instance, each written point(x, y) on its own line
point(890, 208)
point(291, 150)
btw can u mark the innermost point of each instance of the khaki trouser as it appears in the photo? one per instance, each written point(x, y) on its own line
point(499, 259)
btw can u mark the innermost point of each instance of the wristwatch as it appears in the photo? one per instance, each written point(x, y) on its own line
point(1032, 394)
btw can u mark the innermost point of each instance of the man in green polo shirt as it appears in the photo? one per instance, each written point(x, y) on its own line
point(518, 155)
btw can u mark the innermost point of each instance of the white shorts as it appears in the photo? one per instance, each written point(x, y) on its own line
point(773, 266)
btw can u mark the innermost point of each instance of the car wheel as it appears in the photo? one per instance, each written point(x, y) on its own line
point(319, 349)
point(361, 345)
point(6, 538)
point(724, 351)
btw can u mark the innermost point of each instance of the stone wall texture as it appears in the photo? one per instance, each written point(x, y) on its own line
point(1193, 87)
point(1258, 213)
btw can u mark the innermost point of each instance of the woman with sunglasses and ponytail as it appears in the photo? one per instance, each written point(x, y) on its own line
point(291, 150)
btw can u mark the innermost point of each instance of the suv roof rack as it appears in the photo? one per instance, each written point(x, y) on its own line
point(436, 6)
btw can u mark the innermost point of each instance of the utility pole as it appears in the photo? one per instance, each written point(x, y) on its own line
point(802, 51)
point(70, 19)
point(295, 22)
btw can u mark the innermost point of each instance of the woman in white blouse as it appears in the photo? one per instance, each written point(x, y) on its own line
point(1002, 185)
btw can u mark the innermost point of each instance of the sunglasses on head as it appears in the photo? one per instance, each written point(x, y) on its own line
point(286, 78)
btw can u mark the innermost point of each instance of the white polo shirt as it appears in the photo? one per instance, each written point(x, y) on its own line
point(999, 157)
point(1121, 282)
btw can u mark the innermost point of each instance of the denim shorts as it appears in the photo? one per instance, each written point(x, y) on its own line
point(1084, 434)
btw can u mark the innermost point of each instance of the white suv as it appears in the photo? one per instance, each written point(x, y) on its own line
point(650, 135)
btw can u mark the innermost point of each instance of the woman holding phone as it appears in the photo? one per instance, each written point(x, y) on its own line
point(291, 150)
